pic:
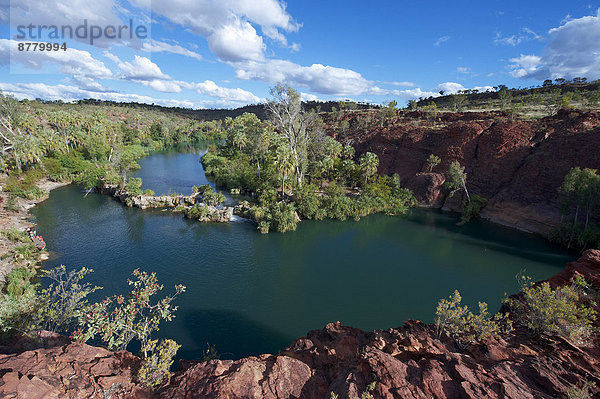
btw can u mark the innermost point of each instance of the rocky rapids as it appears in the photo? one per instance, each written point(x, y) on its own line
point(404, 362)
point(517, 165)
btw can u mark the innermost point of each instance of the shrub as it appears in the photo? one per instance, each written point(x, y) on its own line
point(283, 217)
point(157, 362)
point(558, 311)
point(134, 186)
point(473, 208)
point(198, 211)
point(465, 327)
point(149, 192)
point(63, 303)
point(18, 282)
point(581, 393)
point(308, 203)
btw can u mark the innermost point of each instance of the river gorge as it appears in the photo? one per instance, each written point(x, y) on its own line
point(249, 293)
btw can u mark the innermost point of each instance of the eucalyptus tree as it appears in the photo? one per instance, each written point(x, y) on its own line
point(457, 179)
point(369, 163)
point(292, 123)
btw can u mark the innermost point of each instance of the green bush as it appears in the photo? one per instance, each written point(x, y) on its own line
point(560, 311)
point(156, 365)
point(18, 282)
point(134, 186)
point(465, 327)
point(149, 192)
point(198, 211)
point(283, 217)
point(472, 209)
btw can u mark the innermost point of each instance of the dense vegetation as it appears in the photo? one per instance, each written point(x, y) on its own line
point(293, 170)
point(85, 143)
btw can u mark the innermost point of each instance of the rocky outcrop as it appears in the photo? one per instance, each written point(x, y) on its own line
point(404, 362)
point(517, 165)
point(148, 201)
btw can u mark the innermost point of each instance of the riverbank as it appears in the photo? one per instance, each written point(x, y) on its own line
point(409, 361)
point(18, 217)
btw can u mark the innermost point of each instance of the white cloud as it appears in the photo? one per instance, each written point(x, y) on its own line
point(573, 50)
point(236, 42)
point(227, 24)
point(463, 70)
point(71, 13)
point(441, 40)
point(70, 62)
point(308, 97)
point(69, 93)
point(210, 88)
point(318, 78)
point(154, 46)
point(450, 87)
point(413, 94)
point(141, 68)
point(525, 66)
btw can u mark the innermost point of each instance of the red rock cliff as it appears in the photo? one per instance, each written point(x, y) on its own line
point(518, 165)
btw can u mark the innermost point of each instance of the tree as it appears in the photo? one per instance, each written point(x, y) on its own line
point(457, 179)
point(433, 161)
point(459, 101)
point(505, 97)
point(285, 163)
point(369, 163)
point(292, 123)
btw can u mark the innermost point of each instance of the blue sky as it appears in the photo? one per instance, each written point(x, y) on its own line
point(227, 53)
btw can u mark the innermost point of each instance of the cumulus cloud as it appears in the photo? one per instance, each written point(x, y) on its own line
point(227, 24)
point(573, 50)
point(141, 68)
point(72, 62)
point(413, 94)
point(210, 88)
point(450, 87)
point(318, 78)
point(73, 13)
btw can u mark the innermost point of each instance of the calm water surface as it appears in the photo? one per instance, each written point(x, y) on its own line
point(249, 293)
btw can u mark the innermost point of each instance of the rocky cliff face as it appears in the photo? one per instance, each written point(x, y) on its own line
point(404, 362)
point(518, 165)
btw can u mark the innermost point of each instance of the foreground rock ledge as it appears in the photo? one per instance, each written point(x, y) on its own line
point(405, 362)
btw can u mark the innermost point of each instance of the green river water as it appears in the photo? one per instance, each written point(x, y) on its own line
point(249, 293)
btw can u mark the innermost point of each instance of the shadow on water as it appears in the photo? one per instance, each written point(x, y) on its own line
point(233, 334)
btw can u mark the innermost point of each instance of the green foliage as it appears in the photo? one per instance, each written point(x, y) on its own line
point(63, 303)
point(559, 311)
point(457, 179)
point(465, 327)
point(16, 235)
point(149, 192)
point(583, 392)
point(134, 186)
point(209, 196)
point(580, 197)
point(210, 353)
point(368, 164)
point(472, 209)
point(24, 186)
point(308, 203)
point(18, 282)
point(433, 161)
point(118, 320)
point(197, 211)
point(283, 217)
point(156, 365)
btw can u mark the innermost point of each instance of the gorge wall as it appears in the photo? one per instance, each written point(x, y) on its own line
point(517, 165)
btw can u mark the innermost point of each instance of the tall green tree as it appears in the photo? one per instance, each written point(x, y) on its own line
point(369, 163)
